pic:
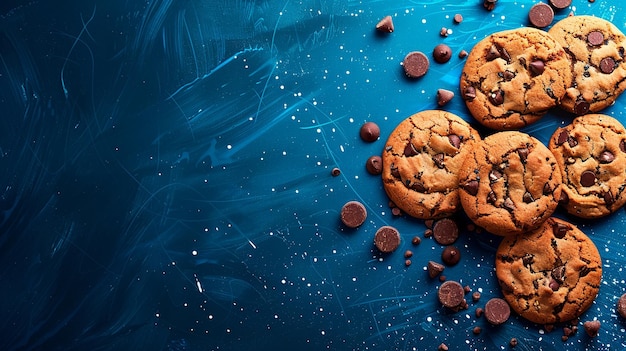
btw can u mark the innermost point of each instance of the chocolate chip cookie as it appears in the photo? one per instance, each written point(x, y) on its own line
point(510, 183)
point(596, 49)
point(511, 78)
point(421, 161)
point(591, 153)
point(550, 275)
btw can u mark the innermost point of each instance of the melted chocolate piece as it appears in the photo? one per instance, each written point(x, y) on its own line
point(606, 157)
point(454, 140)
point(587, 178)
point(471, 187)
point(559, 230)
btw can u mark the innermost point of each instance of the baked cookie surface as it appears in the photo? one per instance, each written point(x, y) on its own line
point(510, 183)
point(511, 78)
point(549, 275)
point(421, 161)
point(591, 153)
point(596, 48)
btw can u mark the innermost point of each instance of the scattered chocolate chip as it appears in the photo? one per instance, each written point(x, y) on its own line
point(567, 331)
point(443, 32)
point(559, 230)
point(587, 178)
point(581, 107)
point(607, 65)
point(475, 296)
point(528, 197)
point(497, 311)
point(560, 4)
point(504, 54)
point(562, 138)
point(496, 97)
point(467, 289)
point(442, 278)
point(451, 294)
point(455, 140)
point(463, 54)
point(444, 96)
point(541, 15)
point(536, 67)
point(407, 262)
point(428, 233)
point(429, 223)
point(595, 38)
point(410, 150)
point(458, 18)
point(592, 328)
point(396, 211)
point(442, 53)
point(489, 5)
point(445, 231)
point(547, 189)
point(416, 240)
point(479, 312)
point(434, 268)
point(415, 64)
point(408, 254)
point(442, 347)
point(394, 171)
point(606, 157)
point(438, 160)
point(451, 255)
point(476, 330)
point(621, 306)
point(513, 342)
point(374, 165)
point(471, 187)
point(335, 172)
point(469, 93)
point(385, 25)
point(387, 239)
point(564, 338)
point(528, 259)
point(353, 214)
point(369, 132)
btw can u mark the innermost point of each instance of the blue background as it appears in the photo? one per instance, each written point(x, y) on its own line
point(165, 178)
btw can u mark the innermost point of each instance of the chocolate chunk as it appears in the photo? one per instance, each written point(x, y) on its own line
point(497, 97)
point(353, 214)
point(523, 154)
point(335, 172)
point(581, 107)
point(595, 38)
point(394, 171)
point(385, 25)
point(418, 186)
point(407, 262)
point(445, 231)
point(587, 178)
point(621, 306)
point(408, 254)
point(471, 187)
point(491, 198)
point(606, 157)
point(564, 199)
point(451, 294)
point(477, 330)
point(415, 64)
point(571, 141)
point(592, 328)
point(608, 198)
point(438, 159)
point(509, 204)
point(442, 53)
point(443, 32)
point(493, 53)
point(508, 75)
point(547, 189)
point(541, 15)
point(504, 54)
point(494, 175)
point(536, 67)
point(559, 230)
point(369, 132)
point(558, 274)
point(560, 4)
point(554, 285)
point(497, 311)
point(450, 255)
point(442, 347)
point(374, 165)
point(476, 296)
point(444, 96)
point(434, 268)
point(387, 239)
point(469, 93)
point(513, 342)
point(584, 271)
point(458, 18)
point(455, 140)
point(528, 197)
point(607, 65)
point(562, 138)
point(528, 259)
point(410, 150)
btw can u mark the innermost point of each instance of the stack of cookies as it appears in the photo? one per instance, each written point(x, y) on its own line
point(509, 183)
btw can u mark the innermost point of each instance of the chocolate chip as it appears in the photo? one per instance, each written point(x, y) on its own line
point(494, 175)
point(451, 294)
point(547, 189)
point(335, 172)
point(469, 93)
point(442, 347)
point(581, 107)
point(497, 311)
point(493, 53)
point(559, 230)
point(528, 259)
point(608, 198)
point(438, 159)
point(621, 306)
point(385, 25)
point(475, 296)
point(554, 285)
point(584, 271)
point(455, 140)
point(508, 75)
point(408, 254)
point(496, 97)
point(463, 54)
point(442, 53)
point(536, 67)
point(504, 54)
point(476, 330)
point(558, 273)
point(513, 342)
point(592, 328)
point(509, 204)
point(416, 240)
point(489, 5)
point(394, 171)
point(434, 268)
point(458, 18)
point(369, 131)
point(622, 145)
point(607, 65)
point(541, 15)
point(560, 4)
point(443, 32)
point(562, 138)
point(606, 157)
point(571, 141)
point(387, 239)
point(415, 64)
point(451, 255)
point(418, 186)
point(523, 154)
point(471, 187)
point(410, 150)
point(491, 198)
point(353, 214)
point(407, 262)
point(444, 96)
point(564, 199)
point(374, 165)
point(595, 38)
point(587, 178)
point(445, 231)
point(528, 197)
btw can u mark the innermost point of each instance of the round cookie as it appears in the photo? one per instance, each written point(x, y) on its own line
point(421, 161)
point(510, 184)
point(591, 153)
point(596, 49)
point(511, 78)
point(549, 275)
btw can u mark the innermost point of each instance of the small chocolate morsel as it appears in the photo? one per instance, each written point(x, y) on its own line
point(415, 64)
point(444, 96)
point(438, 160)
point(455, 140)
point(595, 38)
point(445, 231)
point(458, 18)
point(451, 255)
point(369, 132)
point(434, 268)
point(607, 65)
point(407, 262)
point(385, 25)
point(353, 214)
point(443, 32)
point(564, 199)
point(536, 67)
point(442, 347)
point(469, 93)
point(581, 107)
point(335, 172)
point(475, 296)
point(471, 187)
point(387, 239)
point(592, 328)
point(541, 15)
point(621, 306)
point(508, 75)
point(559, 230)
point(558, 273)
point(479, 312)
point(560, 4)
point(409, 150)
point(442, 53)
point(513, 342)
point(494, 175)
point(528, 197)
point(606, 157)
point(408, 254)
point(416, 240)
point(497, 97)
point(554, 285)
point(476, 330)
point(463, 54)
point(493, 53)
point(571, 141)
point(587, 178)
point(497, 311)
point(374, 165)
point(451, 294)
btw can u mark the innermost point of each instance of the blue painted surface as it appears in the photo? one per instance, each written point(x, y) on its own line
point(165, 178)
